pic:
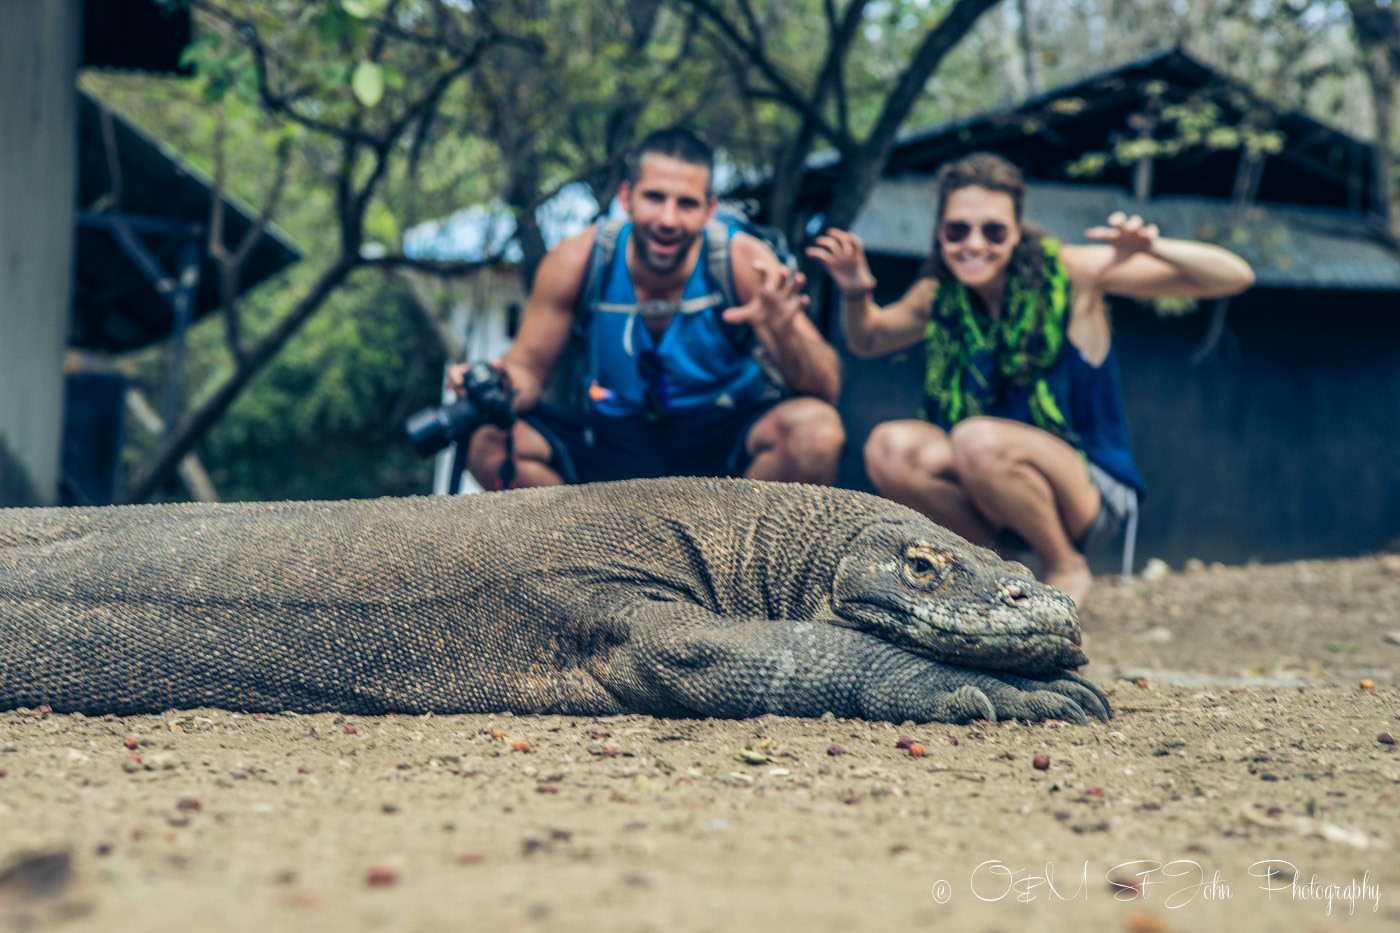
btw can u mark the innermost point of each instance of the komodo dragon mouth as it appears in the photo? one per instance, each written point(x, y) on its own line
point(923, 588)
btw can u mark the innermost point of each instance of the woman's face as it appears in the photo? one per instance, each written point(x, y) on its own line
point(977, 235)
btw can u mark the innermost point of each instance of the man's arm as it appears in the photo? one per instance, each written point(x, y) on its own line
point(546, 323)
point(772, 303)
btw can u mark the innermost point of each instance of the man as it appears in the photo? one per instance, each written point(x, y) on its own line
point(676, 384)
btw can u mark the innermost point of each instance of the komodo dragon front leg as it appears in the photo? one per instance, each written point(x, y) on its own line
point(683, 659)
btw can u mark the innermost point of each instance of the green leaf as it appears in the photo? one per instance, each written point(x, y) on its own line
point(368, 83)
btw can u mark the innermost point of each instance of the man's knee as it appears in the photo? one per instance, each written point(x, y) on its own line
point(805, 436)
point(485, 453)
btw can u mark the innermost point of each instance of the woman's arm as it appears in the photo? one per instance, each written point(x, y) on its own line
point(1135, 261)
point(871, 330)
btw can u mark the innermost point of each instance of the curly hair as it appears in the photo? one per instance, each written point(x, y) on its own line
point(990, 171)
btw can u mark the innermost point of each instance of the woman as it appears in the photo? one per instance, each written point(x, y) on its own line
point(1022, 434)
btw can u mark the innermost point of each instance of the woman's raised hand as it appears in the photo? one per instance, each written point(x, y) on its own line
point(843, 255)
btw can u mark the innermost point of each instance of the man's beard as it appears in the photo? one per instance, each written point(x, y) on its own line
point(647, 258)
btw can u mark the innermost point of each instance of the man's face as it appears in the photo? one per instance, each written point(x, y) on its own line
point(669, 206)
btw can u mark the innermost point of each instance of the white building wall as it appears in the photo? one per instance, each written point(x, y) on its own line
point(39, 52)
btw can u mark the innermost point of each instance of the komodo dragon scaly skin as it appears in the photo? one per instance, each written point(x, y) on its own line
point(674, 597)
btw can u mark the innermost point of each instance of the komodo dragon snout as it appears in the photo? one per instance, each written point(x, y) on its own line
point(916, 585)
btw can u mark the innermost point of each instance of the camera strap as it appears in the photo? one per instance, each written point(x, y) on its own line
point(507, 473)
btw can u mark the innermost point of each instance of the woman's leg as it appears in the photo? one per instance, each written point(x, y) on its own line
point(1030, 481)
point(911, 462)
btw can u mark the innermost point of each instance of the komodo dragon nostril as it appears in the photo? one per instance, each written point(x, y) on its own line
point(1012, 592)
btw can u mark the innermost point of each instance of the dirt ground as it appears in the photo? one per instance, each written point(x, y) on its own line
point(1249, 782)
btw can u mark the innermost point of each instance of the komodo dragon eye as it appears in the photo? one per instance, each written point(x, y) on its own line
point(926, 566)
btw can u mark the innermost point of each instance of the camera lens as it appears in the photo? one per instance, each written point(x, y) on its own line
point(432, 429)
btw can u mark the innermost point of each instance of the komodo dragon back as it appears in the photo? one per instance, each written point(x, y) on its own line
point(676, 597)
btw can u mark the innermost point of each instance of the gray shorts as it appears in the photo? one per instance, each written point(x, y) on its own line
point(1116, 501)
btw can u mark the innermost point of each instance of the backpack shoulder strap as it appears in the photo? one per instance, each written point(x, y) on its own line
point(595, 273)
point(717, 260)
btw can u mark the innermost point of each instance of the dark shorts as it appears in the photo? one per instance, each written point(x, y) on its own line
point(1116, 500)
point(590, 448)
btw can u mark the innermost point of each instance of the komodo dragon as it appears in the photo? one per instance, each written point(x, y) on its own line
point(674, 597)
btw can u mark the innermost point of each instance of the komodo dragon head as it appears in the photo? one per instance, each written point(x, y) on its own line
point(918, 585)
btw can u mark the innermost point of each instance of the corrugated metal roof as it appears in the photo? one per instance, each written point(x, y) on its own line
point(116, 305)
point(1289, 247)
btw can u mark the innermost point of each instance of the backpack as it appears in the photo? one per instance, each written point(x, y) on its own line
point(729, 219)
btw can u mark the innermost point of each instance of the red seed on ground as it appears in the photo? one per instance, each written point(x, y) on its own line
point(1041, 762)
point(3, 772)
point(520, 745)
point(1367, 683)
point(1095, 791)
point(189, 803)
point(381, 876)
point(134, 758)
point(1274, 811)
point(916, 750)
point(498, 733)
point(904, 742)
point(834, 750)
point(131, 741)
point(350, 728)
point(470, 858)
point(1142, 684)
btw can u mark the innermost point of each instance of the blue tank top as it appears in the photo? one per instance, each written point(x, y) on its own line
point(1092, 399)
point(695, 365)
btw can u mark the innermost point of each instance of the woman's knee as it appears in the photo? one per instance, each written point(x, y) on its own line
point(897, 453)
point(980, 446)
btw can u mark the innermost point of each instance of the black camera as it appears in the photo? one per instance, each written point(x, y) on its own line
point(487, 401)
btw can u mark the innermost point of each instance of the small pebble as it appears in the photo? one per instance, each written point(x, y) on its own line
point(350, 728)
point(1095, 791)
point(1385, 738)
point(471, 858)
point(190, 804)
point(3, 773)
point(904, 742)
point(498, 733)
point(1274, 812)
point(1142, 684)
point(381, 876)
point(952, 740)
point(131, 741)
point(834, 750)
point(1041, 762)
point(1125, 885)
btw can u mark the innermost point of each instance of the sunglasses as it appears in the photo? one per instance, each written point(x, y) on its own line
point(656, 395)
point(955, 231)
